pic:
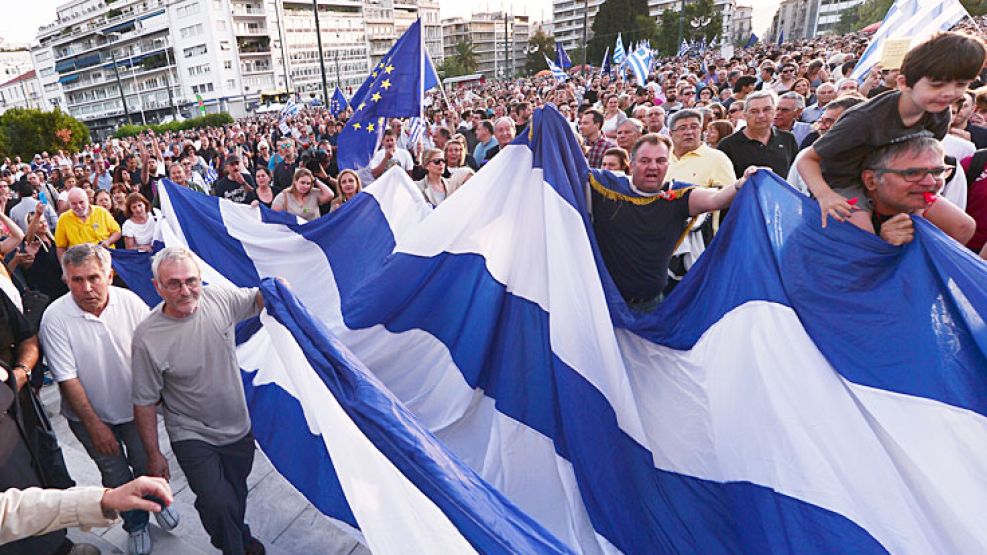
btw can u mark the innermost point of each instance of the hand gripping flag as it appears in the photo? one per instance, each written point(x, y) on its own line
point(915, 19)
point(338, 103)
point(619, 54)
point(561, 58)
point(397, 89)
point(769, 405)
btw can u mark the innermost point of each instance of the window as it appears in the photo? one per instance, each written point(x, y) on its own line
point(227, 64)
point(224, 45)
point(195, 50)
point(191, 31)
point(231, 83)
point(203, 88)
point(190, 9)
point(201, 69)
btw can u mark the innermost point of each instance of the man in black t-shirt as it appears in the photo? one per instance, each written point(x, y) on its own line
point(284, 172)
point(638, 231)
point(235, 185)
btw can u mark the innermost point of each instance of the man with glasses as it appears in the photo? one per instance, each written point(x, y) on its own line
point(901, 179)
point(686, 95)
point(785, 80)
point(184, 355)
point(787, 114)
point(693, 161)
point(759, 143)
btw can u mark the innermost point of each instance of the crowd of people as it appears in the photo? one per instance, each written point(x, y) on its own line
point(668, 155)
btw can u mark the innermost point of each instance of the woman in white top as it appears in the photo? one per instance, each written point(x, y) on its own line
point(613, 116)
point(302, 199)
point(433, 185)
point(138, 230)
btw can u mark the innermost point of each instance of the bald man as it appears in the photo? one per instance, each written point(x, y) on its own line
point(84, 223)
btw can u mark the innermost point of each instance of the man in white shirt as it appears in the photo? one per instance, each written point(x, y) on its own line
point(86, 337)
point(390, 155)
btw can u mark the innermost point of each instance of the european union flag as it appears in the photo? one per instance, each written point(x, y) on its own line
point(337, 103)
point(606, 69)
point(395, 89)
point(561, 58)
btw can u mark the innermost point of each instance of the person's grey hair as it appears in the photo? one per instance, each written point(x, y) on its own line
point(798, 98)
point(841, 82)
point(683, 114)
point(655, 109)
point(768, 93)
point(78, 255)
point(921, 142)
point(172, 254)
point(826, 85)
point(636, 123)
point(505, 119)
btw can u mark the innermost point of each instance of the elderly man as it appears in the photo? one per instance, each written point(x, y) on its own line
point(637, 231)
point(84, 223)
point(825, 93)
point(86, 336)
point(691, 160)
point(591, 128)
point(504, 131)
point(898, 178)
point(655, 120)
point(759, 143)
point(787, 114)
point(183, 354)
point(628, 132)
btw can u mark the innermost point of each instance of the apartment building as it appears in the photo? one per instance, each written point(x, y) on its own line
point(499, 40)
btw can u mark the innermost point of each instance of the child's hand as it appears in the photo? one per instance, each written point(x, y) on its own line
point(835, 206)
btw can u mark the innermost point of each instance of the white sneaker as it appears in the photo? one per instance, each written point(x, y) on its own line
point(167, 519)
point(140, 542)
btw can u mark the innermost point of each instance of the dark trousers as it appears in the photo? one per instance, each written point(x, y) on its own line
point(218, 477)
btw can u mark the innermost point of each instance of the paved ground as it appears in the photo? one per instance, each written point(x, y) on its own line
point(278, 515)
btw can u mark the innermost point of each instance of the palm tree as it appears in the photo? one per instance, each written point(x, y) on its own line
point(465, 57)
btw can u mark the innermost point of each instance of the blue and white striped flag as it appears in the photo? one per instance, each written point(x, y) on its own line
point(211, 176)
point(557, 72)
point(820, 405)
point(619, 54)
point(914, 19)
point(290, 109)
point(640, 63)
point(683, 48)
point(416, 131)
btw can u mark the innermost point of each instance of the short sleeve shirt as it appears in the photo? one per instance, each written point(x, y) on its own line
point(778, 153)
point(862, 129)
point(637, 241)
point(190, 364)
point(98, 226)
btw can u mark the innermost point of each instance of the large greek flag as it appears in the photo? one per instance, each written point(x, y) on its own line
point(801, 391)
point(640, 63)
point(914, 19)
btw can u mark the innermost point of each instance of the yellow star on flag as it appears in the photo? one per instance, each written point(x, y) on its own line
point(361, 106)
point(385, 84)
point(370, 128)
point(375, 97)
point(357, 126)
point(374, 75)
point(389, 68)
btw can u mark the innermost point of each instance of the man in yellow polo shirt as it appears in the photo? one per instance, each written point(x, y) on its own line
point(84, 223)
point(691, 160)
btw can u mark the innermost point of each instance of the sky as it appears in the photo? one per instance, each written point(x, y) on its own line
point(22, 27)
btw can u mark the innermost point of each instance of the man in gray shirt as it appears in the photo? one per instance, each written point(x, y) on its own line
point(184, 355)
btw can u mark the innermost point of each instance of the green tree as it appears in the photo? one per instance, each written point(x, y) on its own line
point(627, 17)
point(466, 57)
point(702, 21)
point(26, 132)
point(540, 45)
point(450, 68)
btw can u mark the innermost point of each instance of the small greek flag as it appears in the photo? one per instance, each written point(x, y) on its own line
point(416, 132)
point(619, 54)
point(211, 176)
point(557, 71)
point(290, 109)
point(640, 63)
point(683, 48)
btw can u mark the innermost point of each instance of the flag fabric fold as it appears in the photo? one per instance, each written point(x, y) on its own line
point(751, 41)
point(619, 54)
point(914, 19)
point(640, 61)
point(337, 103)
point(557, 72)
point(561, 58)
point(801, 391)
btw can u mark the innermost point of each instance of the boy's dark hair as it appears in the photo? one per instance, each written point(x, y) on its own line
point(946, 56)
point(744, 81)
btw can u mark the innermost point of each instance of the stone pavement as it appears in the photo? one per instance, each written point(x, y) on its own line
point(278, 515)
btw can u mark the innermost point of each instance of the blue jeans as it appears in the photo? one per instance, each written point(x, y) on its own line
point(121, 468)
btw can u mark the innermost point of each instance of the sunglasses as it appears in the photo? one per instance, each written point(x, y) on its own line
point(437, 161)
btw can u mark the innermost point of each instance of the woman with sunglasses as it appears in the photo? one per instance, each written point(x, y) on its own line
point(433, 186)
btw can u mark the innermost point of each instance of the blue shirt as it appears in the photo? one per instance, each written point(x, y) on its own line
point(480, 152)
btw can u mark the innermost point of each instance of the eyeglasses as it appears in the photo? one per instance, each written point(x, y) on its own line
point(687, 93)
point(735, 110)
point(788, 70)
point(914, 175)
point(175, 285)
point(437, 161)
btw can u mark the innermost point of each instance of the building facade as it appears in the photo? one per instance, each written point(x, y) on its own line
point(499, 41)
point(23, 91)
point(568, 17)
point(743, 24)
point(118, 61)
point(801, 19)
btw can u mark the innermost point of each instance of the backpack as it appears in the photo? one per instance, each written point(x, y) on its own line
point(977, 164)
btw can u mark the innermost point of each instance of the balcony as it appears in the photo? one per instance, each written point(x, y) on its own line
point(250, 31)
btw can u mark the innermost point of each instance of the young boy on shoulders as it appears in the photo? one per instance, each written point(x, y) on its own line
point(933, 75)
